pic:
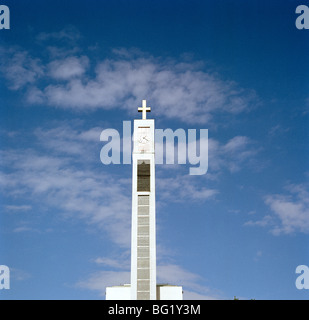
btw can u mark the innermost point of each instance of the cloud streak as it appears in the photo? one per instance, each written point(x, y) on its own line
point(166, 274)
point(178, 90)
point(20, 68)
point(63, 174)
point(65, 69)
point(232, 155)
point(290, 212)
point(101, 200)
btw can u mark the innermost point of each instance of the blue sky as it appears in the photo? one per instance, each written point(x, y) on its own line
point(70, 69)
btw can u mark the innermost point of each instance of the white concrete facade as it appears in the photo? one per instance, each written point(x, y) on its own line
point(164, 292)
point(143, 237)
point(169, 292)
point(118, 292)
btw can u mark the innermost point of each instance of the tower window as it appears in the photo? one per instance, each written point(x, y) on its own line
point(143, 175)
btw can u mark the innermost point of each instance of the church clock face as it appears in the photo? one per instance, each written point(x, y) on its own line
point(144, 139)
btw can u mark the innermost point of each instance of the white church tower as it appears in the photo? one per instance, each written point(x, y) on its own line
point(143, 245)
point(143, 231)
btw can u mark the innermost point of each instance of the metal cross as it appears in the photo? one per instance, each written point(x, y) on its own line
point(144, 109)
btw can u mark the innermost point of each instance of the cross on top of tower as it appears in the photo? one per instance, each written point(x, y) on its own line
point(144, 109)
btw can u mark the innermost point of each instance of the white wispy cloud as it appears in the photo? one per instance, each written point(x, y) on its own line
point(290, 211)
point(65, 139)
point(100, 200)
point(113, 263)
point(25, 229)
point(180, 90)
point(19, 274)
point(98, 281)
point(67, 68)
point(182, 187)
point(236, 153)
point(166, 274)
point(19, 67)
point(62, 173)
point(68, 34)
point(16, 208)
